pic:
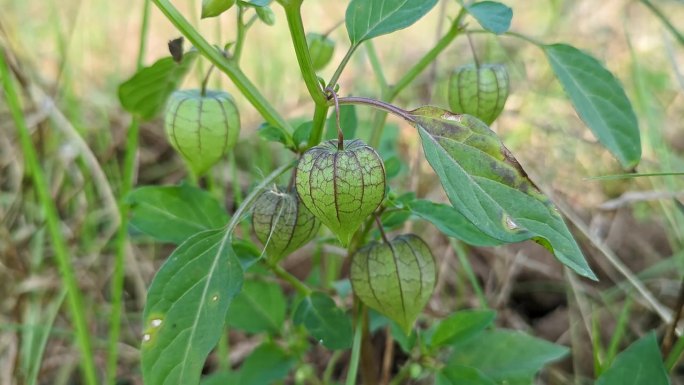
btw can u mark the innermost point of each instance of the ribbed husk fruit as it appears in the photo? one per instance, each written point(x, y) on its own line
point(396, 278)
point(341, 187)
point(282, 223)
point(321, 49)
point(480, 92)
point(202, 128)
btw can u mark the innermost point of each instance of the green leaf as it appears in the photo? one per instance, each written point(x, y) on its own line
point(367, 19)
point(406, 342)
point(271, 133)
point(599, 100)
point(145, 93)
point(267, 365)
point(461, 326)
point(213, 8)
point(266, 15)
point(451, 223)
point(174, 213)
point(492, 16)
point(348, 122)
point(260, 307)
point(325, 321)
point(302, 132)
point(186, 308)
point(486, 184)
point(222, 378)
point(506, 355)
point(640, 363)
point(255, 3)
point(462, 375)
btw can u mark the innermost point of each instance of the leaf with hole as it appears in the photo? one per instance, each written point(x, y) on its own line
point(492, 15)
point(174, 213)
point(485, 183)
point(259, 307)
point(326, 322)
point(366, 19)
point(186, 308)
point(640, 363)
point(145, 93)
point(599, 99)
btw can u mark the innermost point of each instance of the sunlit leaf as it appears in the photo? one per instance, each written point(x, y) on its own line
point(213, 8)
point(186, 308)
point(640, 363)
point(146, 92)
point(451, 223)
point(487, 186)
point(599, 100)
point(492, 16)
point(367, 19)
point(174, 213)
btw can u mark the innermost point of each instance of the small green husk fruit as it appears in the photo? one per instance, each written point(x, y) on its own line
point(480, 92)
point(321, 49)
point(202, 128)
point(396, 278)
point(282, 223)
point(341, 187)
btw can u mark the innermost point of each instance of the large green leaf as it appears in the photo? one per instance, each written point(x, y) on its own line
point(260, 306)
point(506, 356)
point(145, 93)
point(599, 100)
point(486, 184)
point(460, 326)
point(266, 365)
point(462, 375)
point(492, 15)
point(367, 19)
point(186, 308)
point(324, 320)
point(639, 364)
point(174, 213)
point(451, 222)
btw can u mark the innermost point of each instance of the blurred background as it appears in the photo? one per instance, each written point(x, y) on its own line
point(72, 55)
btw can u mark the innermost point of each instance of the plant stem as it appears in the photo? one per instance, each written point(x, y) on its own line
point(660, 15)
point(356, 352)
point(240, 41)
point(228, 67)
point(382, 231)
point(472, 49)
point(375, 64)
point(294, 23)
point(468, 268)
point(320, 114)
point(390, 93)
point(340, 134)
point(429, 57)
point(379, 105)
point(118, 275)
point(291, 279)
point(340, 68)
point(47, 203)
